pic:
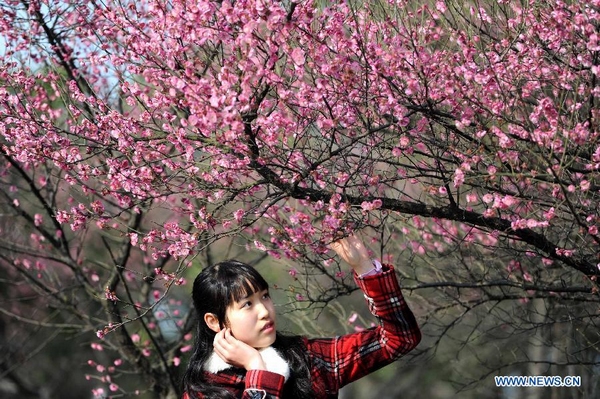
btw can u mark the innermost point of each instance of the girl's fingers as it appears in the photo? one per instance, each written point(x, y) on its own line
point(227, 337)
point(225, 340)
point(220, 340)
point(226, 346)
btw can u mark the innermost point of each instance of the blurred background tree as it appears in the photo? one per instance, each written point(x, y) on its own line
point(144, 140)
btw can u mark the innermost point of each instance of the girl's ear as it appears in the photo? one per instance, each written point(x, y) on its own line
point(212, 322)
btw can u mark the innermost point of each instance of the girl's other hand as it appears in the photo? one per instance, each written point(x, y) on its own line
point(237, 353)
point(354, 252)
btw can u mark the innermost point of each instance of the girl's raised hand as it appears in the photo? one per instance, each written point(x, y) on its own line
point(237, 353)
point(354, 252)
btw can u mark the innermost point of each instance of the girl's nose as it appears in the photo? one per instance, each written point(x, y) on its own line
point(263, 311)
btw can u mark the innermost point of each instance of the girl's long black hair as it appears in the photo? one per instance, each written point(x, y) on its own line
point(215, 288)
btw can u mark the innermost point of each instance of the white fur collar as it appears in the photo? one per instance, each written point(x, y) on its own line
point(274, 363)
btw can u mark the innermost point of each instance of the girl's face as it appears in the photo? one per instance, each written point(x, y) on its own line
point(252, 319)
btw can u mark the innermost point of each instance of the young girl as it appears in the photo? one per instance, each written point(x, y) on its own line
point(239, 354)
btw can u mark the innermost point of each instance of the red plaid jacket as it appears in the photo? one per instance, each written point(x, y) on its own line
point(341, 360)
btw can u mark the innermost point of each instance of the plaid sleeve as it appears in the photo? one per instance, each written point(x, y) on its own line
point(341, 360)
point(262, 384)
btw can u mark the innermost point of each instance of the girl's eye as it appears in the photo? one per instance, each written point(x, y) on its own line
point(246, 304)
point(267, 296)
